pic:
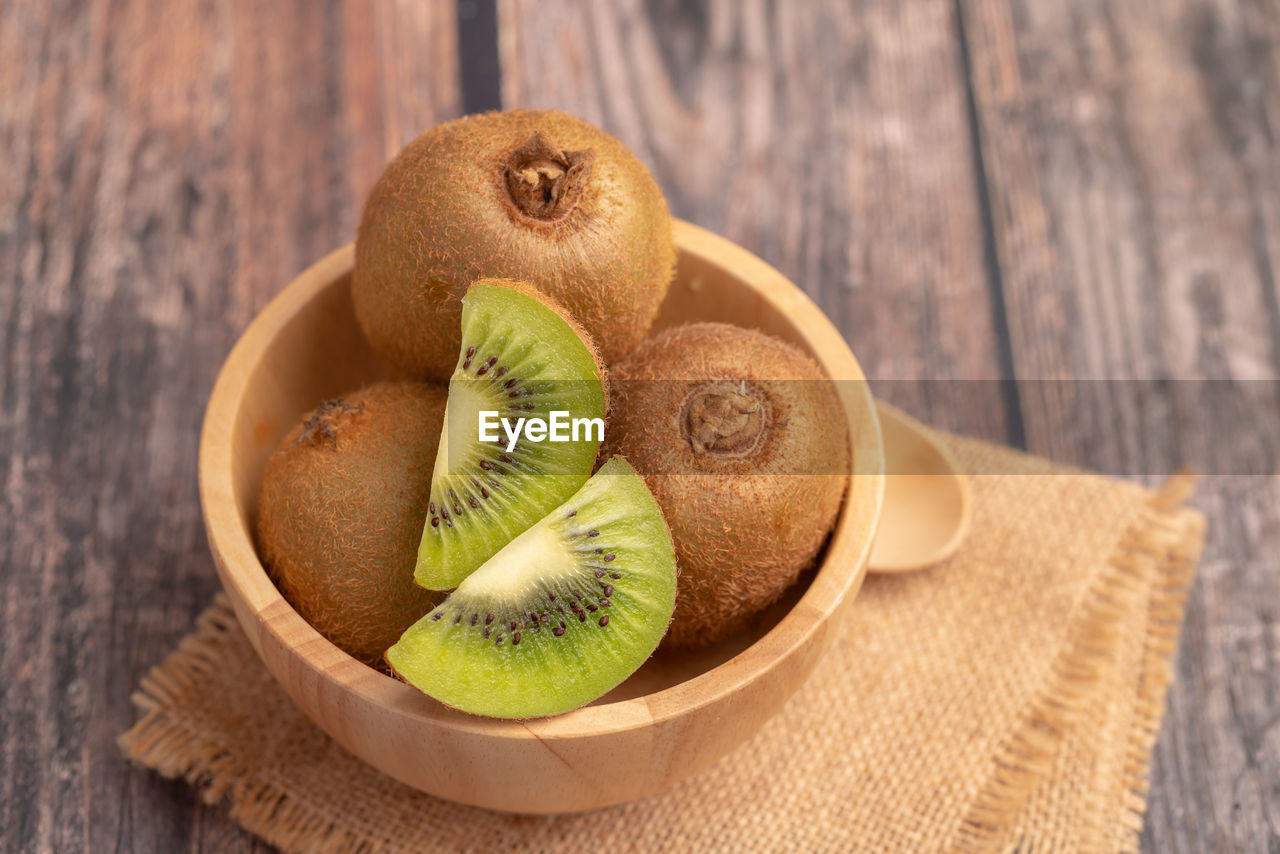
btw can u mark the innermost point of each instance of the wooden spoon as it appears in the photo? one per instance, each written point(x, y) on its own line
point(927, 505)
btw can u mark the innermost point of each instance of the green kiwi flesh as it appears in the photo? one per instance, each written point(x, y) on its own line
point(521, 358)
point(559, 616)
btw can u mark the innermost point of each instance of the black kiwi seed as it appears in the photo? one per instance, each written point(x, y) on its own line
point(599, 573)
point(474, 618)
point(515, 639)
point(604, 621)
point(608, 590)
point(615, 575)
point(489, 617)
point(608, 557)
point(557, 631)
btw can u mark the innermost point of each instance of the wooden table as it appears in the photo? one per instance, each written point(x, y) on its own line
point(1000, 189)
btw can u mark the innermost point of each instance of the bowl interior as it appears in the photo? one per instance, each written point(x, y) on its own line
point(315, 350)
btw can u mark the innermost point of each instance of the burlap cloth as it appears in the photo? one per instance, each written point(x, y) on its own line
point(1007, 699)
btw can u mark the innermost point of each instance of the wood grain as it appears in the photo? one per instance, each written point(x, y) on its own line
point(165, 168)
point(1134, 173)
point(831, 141)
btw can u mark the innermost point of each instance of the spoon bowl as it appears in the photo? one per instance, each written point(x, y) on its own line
point(927, 504)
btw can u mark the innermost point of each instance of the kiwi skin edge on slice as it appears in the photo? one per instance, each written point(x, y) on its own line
point(522, 358)
point(559, 616)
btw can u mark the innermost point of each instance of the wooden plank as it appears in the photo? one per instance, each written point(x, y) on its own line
point(1134, 173)
point(166, 168)
point(830, 138)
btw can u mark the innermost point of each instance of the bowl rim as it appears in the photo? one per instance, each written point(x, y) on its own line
point(239, 565)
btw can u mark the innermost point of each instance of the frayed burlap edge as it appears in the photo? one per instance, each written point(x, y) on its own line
point(1162, 548)
point(1168, 605)
point(175, 747)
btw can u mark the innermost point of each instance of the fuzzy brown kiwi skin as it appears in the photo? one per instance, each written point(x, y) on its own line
point(341, 509)
point(745, 522)
point(443, 215)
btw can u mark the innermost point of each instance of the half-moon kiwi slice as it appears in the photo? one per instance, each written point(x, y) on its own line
point(560, 615)
point(523, 423)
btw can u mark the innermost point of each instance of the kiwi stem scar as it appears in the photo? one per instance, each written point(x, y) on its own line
point(724, 418)
point(544, 182)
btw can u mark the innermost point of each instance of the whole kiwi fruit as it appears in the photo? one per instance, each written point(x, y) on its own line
point(742, 440)
point(539, 196)
point(341, 510)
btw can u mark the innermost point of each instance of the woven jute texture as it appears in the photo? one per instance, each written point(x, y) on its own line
point(1006, 700)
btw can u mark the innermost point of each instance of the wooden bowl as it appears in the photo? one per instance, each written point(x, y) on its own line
point(675, 717)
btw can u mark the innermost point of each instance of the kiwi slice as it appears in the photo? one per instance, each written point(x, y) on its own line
point(531, 374)
point(560, 615)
